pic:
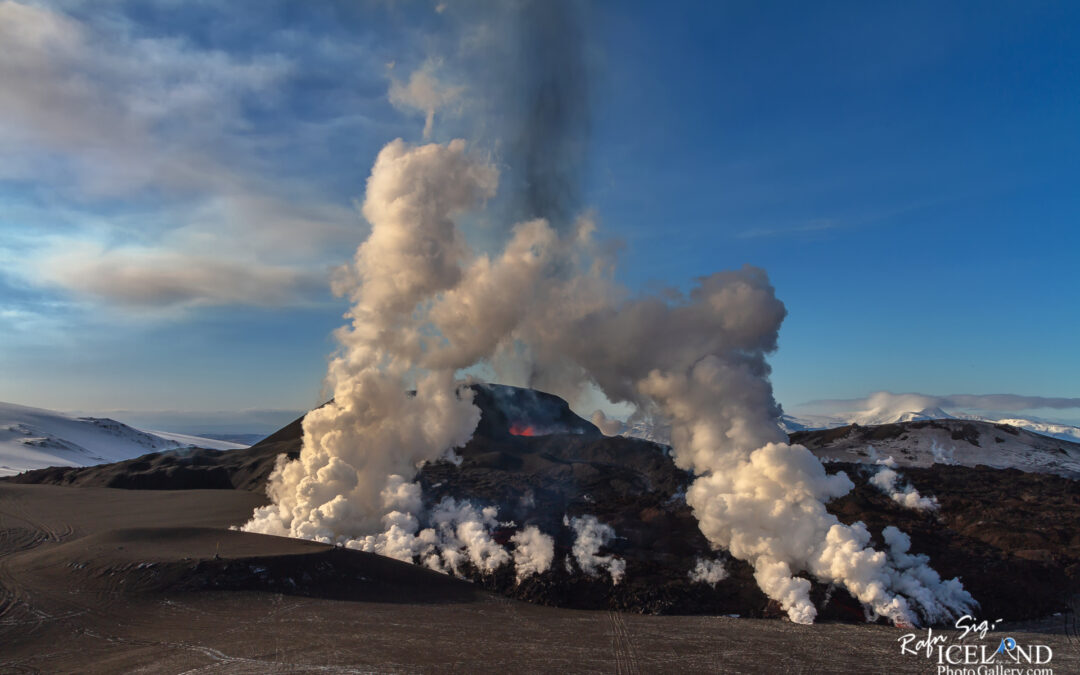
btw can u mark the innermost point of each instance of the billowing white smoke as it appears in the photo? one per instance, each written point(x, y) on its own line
point(424, 307)
point(465, 534)
point(459, 533)
point(886, 480)
point(699, 364)
point(913, 576)
point(709, 572)
point(533, 553)
point(942, 455)
point(375, 428)
point(770, 511)
point(590, 535)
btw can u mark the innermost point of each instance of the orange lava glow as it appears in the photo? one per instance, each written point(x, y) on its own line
point(519, 429)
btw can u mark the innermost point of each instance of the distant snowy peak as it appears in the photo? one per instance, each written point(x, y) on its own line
point(792, 423)
point(1062, 432)
point(945, 441)
point(925, 414)
point(894, 416)
point(34, 438)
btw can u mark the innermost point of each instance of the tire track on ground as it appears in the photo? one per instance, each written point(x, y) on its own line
point(622, 646)
point(20, 532)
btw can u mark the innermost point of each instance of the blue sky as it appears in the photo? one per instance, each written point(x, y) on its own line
point(177, 181)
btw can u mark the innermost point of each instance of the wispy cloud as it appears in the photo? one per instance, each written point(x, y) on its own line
point(816, 225)
point(127, 112)
point(914, 402)
point(164, 131)
point(159, 278)
point(254, 421)
point(851, 221)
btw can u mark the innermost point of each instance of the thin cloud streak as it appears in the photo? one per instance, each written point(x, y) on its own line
point(914, 402)
point(812, 226)
point(160, 279)
point(96, 113)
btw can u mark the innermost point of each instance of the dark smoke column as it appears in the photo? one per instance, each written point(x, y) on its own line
point(548, 97)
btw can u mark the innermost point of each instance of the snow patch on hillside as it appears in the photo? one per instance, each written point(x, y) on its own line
point(793, 423)
point(189, 441)
point(34, 438)
point(958, 442)
point(1062, 432)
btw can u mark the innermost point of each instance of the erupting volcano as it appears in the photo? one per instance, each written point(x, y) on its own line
point(522, 429)
point(694, 361)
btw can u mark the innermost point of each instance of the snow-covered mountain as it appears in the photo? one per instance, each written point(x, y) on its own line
point(865, 418)
point(1064, 432)
point(945, 441)
point(34, 438)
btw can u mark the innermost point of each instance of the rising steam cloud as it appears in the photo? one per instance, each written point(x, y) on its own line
point(590, 536)
point(709, 572)
point(425, 306)
point(887, 480)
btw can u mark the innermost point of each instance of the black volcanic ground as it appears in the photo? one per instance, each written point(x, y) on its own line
point(1010, 536)
point(97, 580)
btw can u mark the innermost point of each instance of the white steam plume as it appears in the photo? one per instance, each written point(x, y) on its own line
point(698, 363)
point(465, 534)
point(423, 308)
point(942, 455)
point(886, 480)
point(533, 553)
point(374, 428)
point(709, 572)
point(458, 533)
point(590, 535)
point(914, 577)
